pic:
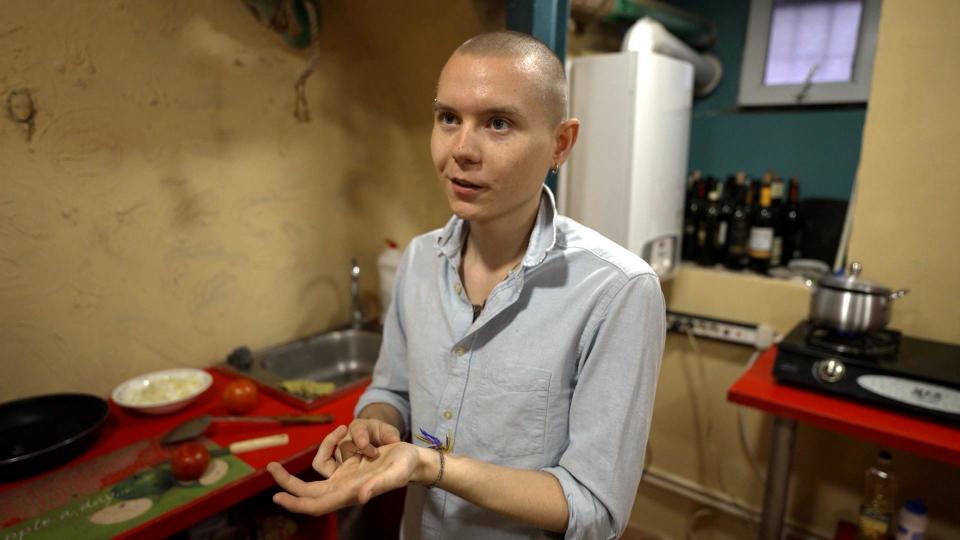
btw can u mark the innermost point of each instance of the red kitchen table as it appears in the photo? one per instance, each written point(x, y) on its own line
point(125, 429)
point(758, 389)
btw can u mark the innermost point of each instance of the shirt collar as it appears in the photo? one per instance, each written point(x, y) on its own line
point(542, 239)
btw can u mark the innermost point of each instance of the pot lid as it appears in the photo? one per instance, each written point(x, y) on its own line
point(853, 282)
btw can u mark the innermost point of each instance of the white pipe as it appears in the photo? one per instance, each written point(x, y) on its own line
point(649, 35)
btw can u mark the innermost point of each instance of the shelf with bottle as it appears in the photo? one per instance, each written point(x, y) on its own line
point(743, 223)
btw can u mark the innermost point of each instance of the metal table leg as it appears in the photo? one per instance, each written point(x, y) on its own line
point(778, 478)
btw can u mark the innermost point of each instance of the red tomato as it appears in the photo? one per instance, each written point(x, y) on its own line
point(189, 461)
point(241, 396)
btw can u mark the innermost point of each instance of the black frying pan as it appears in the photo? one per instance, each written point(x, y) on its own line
point(41, 432)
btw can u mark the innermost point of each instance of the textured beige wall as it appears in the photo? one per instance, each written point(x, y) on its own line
point(169, 207)
point(905, 228)
point(906, 222)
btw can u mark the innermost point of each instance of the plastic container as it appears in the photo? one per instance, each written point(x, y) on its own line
point(912, 520)
point(879, 494)
point(387, 263)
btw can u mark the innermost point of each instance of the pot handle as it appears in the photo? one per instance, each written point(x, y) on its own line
point(898, 294)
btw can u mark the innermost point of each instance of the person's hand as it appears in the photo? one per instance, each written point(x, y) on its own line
point(327, 461)
point(363, 437)
point(355, 481)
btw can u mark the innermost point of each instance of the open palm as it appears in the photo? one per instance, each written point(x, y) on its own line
point(356, 481)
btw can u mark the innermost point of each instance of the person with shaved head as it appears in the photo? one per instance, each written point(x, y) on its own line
point(515, 384)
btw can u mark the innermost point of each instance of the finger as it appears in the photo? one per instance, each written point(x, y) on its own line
point(331, 440)
point(303, 505)
point(341, 492)
point(293, 484)
point(325, 461)
point(349, 450)
point(360, 433)
point(369, 490)
point(388, 434)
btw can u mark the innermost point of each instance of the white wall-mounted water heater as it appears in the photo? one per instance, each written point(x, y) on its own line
point(626, 175)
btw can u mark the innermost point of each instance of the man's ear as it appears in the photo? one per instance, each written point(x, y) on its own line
point(566, 137)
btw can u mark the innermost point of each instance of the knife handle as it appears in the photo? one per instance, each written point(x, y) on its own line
point(250, 445)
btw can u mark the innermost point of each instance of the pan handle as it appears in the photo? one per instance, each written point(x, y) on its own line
point(898, 294)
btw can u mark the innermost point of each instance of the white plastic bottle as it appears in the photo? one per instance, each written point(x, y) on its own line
point(912, 522)
point(387, 263)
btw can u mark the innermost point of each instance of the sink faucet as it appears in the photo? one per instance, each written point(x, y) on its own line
point(357, 314)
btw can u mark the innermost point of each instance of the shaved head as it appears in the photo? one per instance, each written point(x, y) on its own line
point(534, 55)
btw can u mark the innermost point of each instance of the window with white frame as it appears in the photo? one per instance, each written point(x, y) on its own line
point(802, 52)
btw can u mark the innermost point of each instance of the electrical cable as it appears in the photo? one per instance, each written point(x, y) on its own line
point(706, 434)
point(694, 517)
point(695, 390)
point(748, 452)
point(707, 416)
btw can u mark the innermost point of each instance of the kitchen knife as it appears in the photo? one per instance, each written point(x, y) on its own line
point(191, 429)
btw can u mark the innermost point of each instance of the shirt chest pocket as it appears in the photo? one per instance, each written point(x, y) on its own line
point(511, 414)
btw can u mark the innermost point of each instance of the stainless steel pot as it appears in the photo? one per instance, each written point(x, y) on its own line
point(851, 304)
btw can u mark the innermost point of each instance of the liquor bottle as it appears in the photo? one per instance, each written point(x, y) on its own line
point(776, 201)
point(879, 492)
point(728, 200)
point(738, 232)
point(792, 224)
point(761, 233)
point(691, 217)
point(708, 233)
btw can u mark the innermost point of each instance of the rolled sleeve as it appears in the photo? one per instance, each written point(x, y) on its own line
point(390, 383)
point(610, 411)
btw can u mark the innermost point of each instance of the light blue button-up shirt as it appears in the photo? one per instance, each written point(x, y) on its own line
point(558, 373)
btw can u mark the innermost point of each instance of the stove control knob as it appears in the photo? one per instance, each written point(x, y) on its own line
point(830, 370)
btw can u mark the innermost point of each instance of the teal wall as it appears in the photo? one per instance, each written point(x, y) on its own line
point(821, 147)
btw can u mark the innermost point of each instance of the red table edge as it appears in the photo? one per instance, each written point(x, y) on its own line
point(757, 388)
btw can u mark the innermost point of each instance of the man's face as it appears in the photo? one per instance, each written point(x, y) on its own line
point(493, 138)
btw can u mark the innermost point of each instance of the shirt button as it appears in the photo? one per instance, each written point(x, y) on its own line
point(459, 351)
point(447, 415)
point(458, 288)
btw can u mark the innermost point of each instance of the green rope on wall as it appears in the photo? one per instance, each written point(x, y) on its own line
point(289, 18)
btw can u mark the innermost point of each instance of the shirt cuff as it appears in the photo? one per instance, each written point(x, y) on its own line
point(587, 517)
point(379, 395)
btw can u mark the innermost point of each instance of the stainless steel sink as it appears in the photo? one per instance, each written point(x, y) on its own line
point(342, 357)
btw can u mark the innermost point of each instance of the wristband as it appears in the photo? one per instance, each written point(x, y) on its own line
point(441, 448)
point(436, 482)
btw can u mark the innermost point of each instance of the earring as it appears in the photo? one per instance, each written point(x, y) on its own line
point(555, 169)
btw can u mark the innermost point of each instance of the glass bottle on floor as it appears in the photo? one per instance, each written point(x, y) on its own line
point(879, 494)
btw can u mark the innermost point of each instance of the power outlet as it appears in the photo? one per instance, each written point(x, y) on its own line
point(730, 331)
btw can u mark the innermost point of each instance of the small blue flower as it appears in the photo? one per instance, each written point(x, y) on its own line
point(434, 442)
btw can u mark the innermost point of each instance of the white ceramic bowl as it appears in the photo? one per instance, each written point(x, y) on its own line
point(162, 392)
